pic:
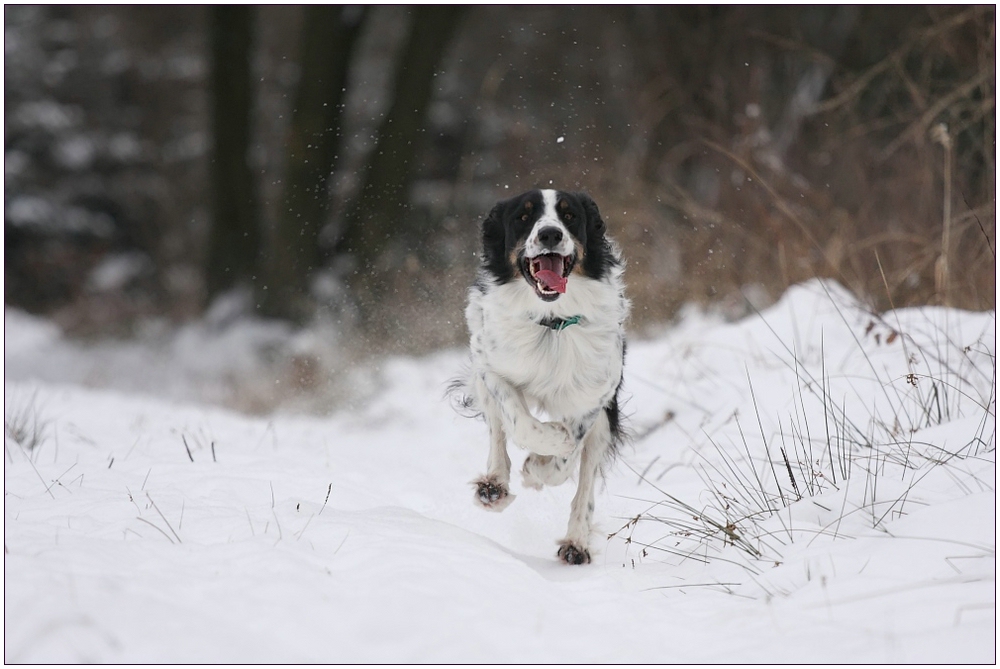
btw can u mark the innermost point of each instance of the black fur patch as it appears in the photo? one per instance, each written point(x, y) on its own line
point(509, 221)
point(598, 258)
point(616, 422)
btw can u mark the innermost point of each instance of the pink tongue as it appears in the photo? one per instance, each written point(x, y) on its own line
point(551, 280)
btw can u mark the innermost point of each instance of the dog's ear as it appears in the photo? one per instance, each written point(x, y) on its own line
point(493, 225)
point(495, 244)
point(598, 249)
point(595, 224)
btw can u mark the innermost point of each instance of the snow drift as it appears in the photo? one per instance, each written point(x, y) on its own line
point(815, 483)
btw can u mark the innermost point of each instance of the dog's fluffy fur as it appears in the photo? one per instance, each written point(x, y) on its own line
point(549, 343)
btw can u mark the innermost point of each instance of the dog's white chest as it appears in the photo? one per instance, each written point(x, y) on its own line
point(564, 371)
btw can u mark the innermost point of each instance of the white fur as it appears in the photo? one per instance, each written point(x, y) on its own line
point(562, 371)
point(569, 375)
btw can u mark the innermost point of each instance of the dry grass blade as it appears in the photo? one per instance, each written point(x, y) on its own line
point(867, 440)
point(861, 83)
point(779, 203)
point(160, 513)
point(919, 127)
point(155, 527)
point(724, 528)
point(25, 424)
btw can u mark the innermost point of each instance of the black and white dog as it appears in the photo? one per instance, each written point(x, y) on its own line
point(546, 317)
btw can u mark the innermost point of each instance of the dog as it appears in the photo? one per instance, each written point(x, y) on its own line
point(546, 318)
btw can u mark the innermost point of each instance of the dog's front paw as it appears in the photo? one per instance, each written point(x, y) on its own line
point(570, 553)
point(492, 494)
point(547, 439)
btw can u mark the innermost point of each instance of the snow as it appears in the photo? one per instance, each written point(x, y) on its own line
point(118, 269)
point(146, 524)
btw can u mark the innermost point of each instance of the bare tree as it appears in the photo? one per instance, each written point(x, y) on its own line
point(383, 202)
point(314, 141)
point(234, 240)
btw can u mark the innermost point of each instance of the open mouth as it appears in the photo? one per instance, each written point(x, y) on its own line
point(547, 274)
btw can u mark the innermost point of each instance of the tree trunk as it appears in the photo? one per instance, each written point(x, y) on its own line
point(314, 141)
point(234, 239)
point(380, 208)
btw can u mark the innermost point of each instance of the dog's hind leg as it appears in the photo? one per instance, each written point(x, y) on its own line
point(574, 549)
point(543, 470)
point(493, 488)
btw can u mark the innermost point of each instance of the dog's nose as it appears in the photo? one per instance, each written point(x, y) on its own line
point(549, 237)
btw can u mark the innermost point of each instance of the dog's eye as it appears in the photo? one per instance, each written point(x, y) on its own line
point(524, 217)
point(567, 217)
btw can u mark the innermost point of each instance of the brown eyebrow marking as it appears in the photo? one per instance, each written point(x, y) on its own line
point(529, 205)
point(563, 204)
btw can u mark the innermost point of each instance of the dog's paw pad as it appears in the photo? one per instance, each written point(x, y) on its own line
point(492, 494)
point(572, 554)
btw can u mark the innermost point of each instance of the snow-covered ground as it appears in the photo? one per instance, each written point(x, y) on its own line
point(143, 523)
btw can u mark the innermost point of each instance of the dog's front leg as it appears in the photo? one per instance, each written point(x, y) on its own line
point(574, 549)
point(527, 431)
point(493, 488)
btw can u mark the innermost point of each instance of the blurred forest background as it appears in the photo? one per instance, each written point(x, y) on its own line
point(334, 163)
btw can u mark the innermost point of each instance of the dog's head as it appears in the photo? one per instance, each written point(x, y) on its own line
point(546, 236)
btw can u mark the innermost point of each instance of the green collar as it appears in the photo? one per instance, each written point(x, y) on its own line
point(558, 324)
